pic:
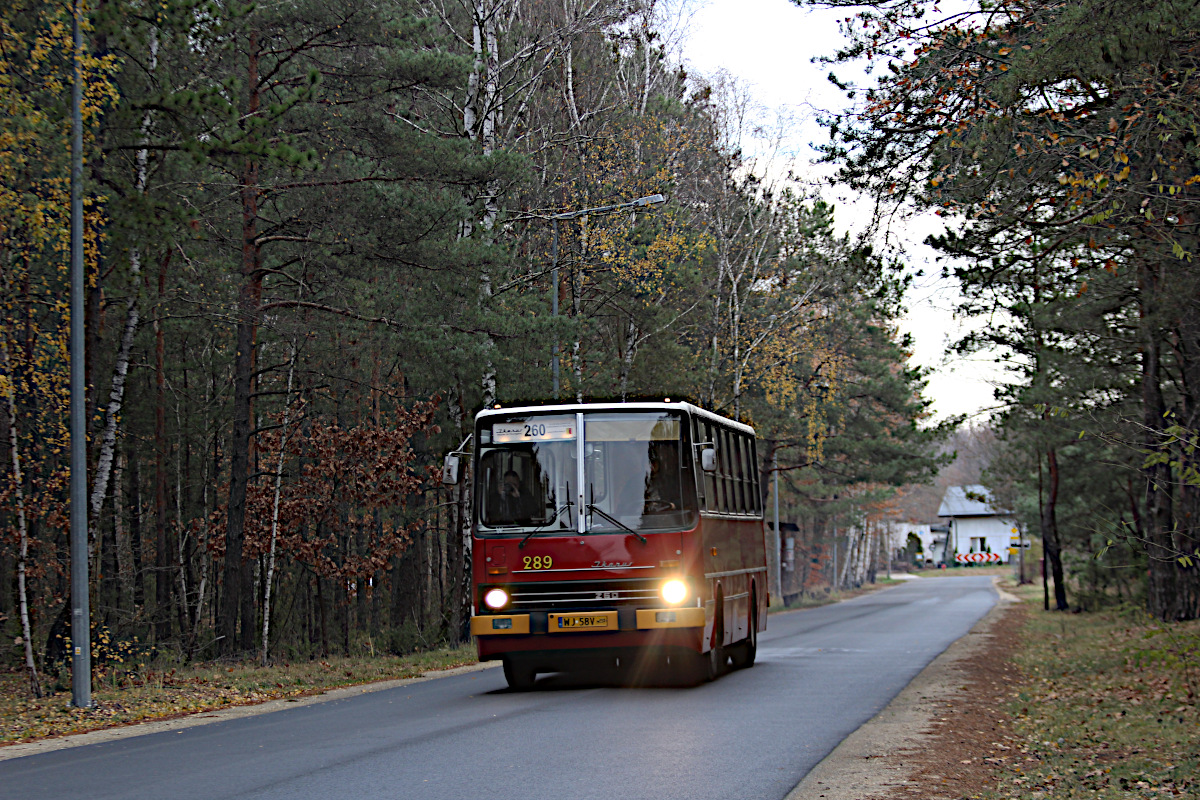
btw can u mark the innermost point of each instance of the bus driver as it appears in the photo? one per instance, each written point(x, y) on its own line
point(655, 500)
point(515, 502)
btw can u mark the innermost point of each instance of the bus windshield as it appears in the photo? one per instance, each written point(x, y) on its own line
point(527, 468)
point(637, 474)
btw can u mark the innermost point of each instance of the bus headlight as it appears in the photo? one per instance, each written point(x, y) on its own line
point(674, 591)
point(496, 598)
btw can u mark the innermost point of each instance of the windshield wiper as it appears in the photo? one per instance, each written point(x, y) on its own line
point(545, 524)
point(596, 509)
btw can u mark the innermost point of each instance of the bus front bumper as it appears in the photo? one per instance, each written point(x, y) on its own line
point(580, 622)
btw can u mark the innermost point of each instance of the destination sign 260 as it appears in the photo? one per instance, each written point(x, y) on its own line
point(536, 430)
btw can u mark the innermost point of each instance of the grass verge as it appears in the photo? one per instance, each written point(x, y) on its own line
point(123, 698)
point(1107, 709)
point(960, 571)
point(826, 598)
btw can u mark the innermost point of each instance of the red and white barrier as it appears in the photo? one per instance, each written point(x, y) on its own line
point(978, 558)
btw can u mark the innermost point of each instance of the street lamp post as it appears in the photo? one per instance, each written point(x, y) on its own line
point(554, 299)
point(81, 648)
point(649, 201)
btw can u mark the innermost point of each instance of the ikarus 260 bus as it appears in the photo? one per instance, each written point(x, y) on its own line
point(615, 533)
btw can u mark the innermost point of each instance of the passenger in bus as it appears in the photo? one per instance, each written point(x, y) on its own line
point(516, 504)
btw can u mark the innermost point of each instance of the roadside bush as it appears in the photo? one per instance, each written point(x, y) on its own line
point(403, 640)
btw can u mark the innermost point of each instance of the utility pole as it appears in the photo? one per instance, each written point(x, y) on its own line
point(778, 541)
point(554, 299)
point(1021, 558)
point(887, 548)
point(1045, 586)
point(837, 583)
point(81, 646)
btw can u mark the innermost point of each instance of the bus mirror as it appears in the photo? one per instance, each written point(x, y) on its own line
point(708, 459)
point(450, 470)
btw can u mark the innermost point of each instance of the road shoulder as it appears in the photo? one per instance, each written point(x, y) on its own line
point(220, 715)
point(889, 756)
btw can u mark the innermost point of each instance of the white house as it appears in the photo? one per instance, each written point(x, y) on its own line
point(973, 525)
point(897, 538)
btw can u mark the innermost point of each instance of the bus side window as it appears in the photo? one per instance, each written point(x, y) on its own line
point(731, 467)
point(753, 476)
point(711, 479)
point(685, 461)
point(739, 472)
point(744, 498)
point(719, 472)
point(755, 485)
point(747, 474)
point(724, 455)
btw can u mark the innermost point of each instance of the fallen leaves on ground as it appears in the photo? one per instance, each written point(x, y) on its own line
point(1107, 709)
point(123, 698)
point(1099, 705)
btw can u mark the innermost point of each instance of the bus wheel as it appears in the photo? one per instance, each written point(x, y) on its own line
point(712, 663)
point(742, 655)
point(702, 667)
point(717, 659)
point(520, 676)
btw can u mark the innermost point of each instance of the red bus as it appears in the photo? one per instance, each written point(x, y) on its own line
point(620, 533)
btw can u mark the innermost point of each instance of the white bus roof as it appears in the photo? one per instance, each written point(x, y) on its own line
point(573, 408)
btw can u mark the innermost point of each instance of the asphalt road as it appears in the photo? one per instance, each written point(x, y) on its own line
point(751, 734)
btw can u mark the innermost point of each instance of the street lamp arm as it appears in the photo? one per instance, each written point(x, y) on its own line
point(648, 201)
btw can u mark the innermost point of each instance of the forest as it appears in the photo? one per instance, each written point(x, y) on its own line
point(1059, 144)
point(320, 236)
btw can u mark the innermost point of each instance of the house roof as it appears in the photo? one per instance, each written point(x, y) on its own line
point(974, 500)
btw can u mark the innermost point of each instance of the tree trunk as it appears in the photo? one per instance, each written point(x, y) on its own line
point(322, 620)
point(135, 529)
point(108, 437)
point(1162, 592)
point(629, 349)
point(876, 552)
point(108, 578)
point(577, 278)
point(35, 686)
point(847, 559)
point(238, 597)
point(735, 338)
point(347, 610)
point(162, 546)
point(183, 554)
point(482, 115)
point(714, 363)
point(121, 537)
point(283, 437)
point(116, 394)
point(1187, 506)
point(459, 544)
point(1050, 530)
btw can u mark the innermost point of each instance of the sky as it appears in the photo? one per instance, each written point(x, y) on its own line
point(768, 45)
